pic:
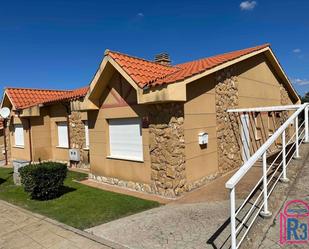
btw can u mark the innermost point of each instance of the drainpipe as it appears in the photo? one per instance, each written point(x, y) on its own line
point(5, 145)
point(68, 110)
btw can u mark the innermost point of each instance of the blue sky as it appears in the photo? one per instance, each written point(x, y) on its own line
point(59, 44)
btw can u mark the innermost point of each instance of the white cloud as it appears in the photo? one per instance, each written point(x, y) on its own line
point(296, 50)
point(140, 14)
point(247, 5)
point(300, 82)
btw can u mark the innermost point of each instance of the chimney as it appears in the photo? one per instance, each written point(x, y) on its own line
point(163, 58)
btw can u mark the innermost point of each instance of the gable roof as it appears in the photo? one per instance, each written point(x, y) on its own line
point(148, 73)
point(22, 98)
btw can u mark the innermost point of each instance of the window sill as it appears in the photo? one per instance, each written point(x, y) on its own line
point(18, 147)
point(62, 147)
point(125, 159)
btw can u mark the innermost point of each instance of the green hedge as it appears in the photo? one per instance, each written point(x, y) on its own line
point(43, 181)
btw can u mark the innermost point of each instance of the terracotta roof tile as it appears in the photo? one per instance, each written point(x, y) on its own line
point(140, 70)
point(26, 97)
point(70, 95)
point(150, 73)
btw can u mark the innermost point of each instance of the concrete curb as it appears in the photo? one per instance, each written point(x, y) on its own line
point(102, 241)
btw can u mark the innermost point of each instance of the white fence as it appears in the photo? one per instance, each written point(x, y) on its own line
point(275, 168)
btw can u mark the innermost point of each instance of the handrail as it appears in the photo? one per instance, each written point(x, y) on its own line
point(251, 161)
point(266, 108)
point(269, 172)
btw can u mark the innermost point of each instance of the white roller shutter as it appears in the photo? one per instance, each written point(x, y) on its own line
point(19, 135)
point(63, 140)
point(125, 136)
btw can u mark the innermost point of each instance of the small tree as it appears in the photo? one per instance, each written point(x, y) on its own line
point(305, 98)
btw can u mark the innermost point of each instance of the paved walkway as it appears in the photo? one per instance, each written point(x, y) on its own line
point(299, 190)
point(199, 220)
point(20, 229)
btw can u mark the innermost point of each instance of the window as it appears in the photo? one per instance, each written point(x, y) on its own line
point(125, 139)
point(19, 135)
point(257, 125)
point(271, 124)
point(86, 134)
point(63, 140)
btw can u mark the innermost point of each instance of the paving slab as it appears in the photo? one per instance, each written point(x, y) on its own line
point(20, 229)
point(171, 226)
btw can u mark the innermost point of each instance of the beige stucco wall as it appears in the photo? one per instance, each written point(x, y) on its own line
point(18, 153)
point(57, 114)
point(99, 139)
point(44, 137)
point(258, 84)
point(41, 137)
point(200, 116)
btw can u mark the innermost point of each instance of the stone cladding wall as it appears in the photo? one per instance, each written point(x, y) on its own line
point(226, 90)
point(167, 148)
point(78, 139)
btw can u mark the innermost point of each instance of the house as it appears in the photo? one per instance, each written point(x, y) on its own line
point(38, 125)
point(165, 129)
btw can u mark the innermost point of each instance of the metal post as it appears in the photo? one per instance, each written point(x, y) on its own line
point(4, 142)
point(296, 140)
point(265, 213)
point(306, 124)
point(233, 218)
point(284, 178)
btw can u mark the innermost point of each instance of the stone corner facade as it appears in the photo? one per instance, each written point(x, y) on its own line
point(167, 148)
point(226, 97)
point(77, 138)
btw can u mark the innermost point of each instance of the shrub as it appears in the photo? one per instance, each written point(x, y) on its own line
point(43, 181)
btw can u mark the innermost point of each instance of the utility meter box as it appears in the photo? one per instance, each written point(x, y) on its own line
point(74, 155)
point(203, 138)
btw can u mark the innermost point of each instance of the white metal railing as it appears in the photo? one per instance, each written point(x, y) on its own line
point(301, 134)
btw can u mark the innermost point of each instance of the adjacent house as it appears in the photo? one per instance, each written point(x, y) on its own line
point(43, 127)
point(165, 129)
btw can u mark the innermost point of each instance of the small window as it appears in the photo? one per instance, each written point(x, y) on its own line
point(271, 124)
point(125, 139)
point(19, 135)
point(257, 126)
point(86, 134)
point(63, 140)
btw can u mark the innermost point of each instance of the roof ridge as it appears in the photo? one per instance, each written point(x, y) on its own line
point(107, 51)
point(36, 89)
point(258, 47)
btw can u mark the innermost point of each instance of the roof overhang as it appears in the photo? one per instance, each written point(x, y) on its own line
point(6, 101)
point(169, 92)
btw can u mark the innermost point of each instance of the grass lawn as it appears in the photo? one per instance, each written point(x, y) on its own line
point(80, 206)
